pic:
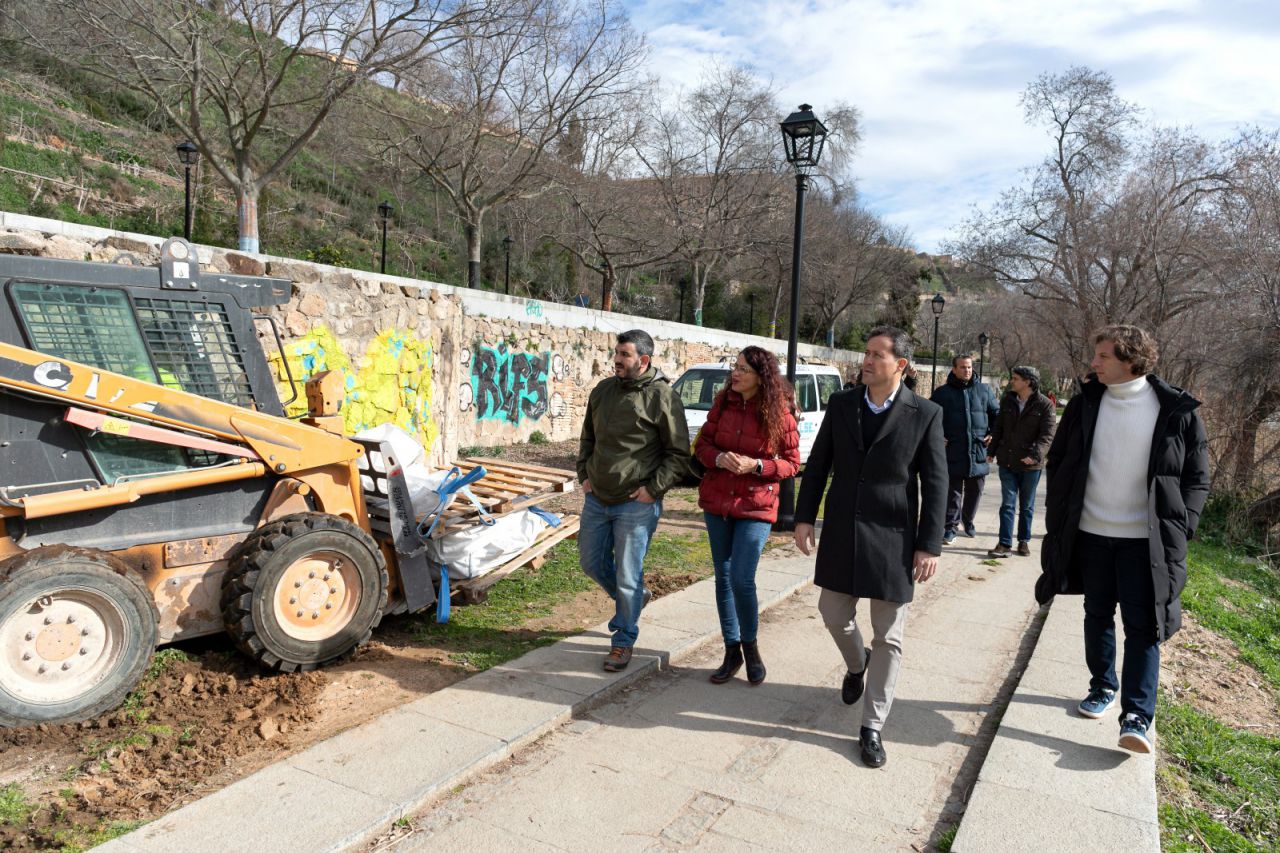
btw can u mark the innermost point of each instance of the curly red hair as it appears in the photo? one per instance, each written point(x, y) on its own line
point(777, 397)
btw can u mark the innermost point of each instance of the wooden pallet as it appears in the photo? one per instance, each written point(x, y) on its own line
point(476, 590)
point(506, 487)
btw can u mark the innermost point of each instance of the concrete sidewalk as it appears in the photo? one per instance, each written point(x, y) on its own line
point(550, 752)
point(1053, 780)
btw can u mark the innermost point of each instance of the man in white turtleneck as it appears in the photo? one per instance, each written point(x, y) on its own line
point(1128, 477)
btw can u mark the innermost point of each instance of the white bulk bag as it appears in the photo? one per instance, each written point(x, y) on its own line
point(478, 550)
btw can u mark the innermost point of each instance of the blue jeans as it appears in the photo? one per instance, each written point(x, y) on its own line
point(612, 542)
point(736, 545)
point(1017, 490)
point(1119, 571)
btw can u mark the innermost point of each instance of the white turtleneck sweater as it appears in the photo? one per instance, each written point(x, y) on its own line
point(1115, 495)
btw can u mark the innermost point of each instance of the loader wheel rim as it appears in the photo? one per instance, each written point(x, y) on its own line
point(317, 595)
point(60, 646)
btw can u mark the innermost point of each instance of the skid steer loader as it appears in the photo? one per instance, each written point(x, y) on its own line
point(151, 488)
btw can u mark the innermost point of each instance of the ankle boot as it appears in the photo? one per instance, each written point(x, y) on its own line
point(732, 663)
point(755, 666)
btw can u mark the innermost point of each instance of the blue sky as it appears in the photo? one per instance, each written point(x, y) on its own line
point(937, 81)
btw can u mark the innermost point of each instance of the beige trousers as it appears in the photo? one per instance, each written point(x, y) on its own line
point(888, 621)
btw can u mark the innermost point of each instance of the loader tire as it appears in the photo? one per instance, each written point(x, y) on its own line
point(77, 630)
point(303, 591)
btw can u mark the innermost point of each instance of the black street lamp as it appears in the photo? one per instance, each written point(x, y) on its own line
point(683, 285)
point(506, 277)
point(982, 353)
point(802, 138)
point(751, 321)
point(384, 212)
point(189, 154)
point(937, 303)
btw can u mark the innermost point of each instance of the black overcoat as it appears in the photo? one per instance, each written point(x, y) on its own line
point(886, 501)
point(1177, 487)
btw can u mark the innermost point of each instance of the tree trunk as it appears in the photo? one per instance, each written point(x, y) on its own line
point(610, 280)
point(473, 253)
point(247, 217)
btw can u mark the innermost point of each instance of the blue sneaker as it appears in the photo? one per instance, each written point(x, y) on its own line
point(949, 537)
point(1133, 734)
point(1096, 703)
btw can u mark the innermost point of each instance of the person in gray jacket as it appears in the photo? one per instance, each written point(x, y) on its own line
point(1020, 439)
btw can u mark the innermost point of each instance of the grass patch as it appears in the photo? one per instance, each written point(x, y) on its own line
point(1247, 611)
point(947, 838)
point(14, 808)
point(77, 839)
point(481, 636)
point(1218, 786)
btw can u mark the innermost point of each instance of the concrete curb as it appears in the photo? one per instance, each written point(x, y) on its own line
point(1052, 779)
point(342, 791)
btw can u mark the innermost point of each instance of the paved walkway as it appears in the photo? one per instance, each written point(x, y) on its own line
point(550, 752)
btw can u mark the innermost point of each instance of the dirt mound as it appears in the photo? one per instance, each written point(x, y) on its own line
point(191, 724)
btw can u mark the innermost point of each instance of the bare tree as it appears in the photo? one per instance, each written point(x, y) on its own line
point(1110, 227)
point(715, 160)
point(250, 82)
point(851, 258)
point(497, 103)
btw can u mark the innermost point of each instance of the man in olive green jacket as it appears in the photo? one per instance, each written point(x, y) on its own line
point(634, 447)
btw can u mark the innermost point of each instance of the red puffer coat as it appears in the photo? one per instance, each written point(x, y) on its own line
point(733, 426)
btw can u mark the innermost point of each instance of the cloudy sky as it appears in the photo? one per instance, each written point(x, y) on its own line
point(937, 81)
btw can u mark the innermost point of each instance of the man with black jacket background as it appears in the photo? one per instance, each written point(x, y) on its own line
point(968, 408)
point(1019, 441)
point(1128, 478)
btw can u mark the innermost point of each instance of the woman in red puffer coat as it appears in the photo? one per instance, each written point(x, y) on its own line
point(749, 443)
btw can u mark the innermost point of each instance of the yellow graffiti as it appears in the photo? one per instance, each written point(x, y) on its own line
point(393, 383)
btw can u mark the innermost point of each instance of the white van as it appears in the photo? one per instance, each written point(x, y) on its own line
point(815, 383)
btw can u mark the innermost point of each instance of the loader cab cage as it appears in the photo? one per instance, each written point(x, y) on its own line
point(195, 334)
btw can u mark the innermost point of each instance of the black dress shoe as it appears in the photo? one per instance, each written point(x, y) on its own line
point(872, 749)
point(851, 689)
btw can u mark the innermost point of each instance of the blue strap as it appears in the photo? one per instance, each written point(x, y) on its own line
point(550, 518)
point(442, 603)
point(453, 481)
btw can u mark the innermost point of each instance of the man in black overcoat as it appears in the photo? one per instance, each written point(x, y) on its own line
point(883, 522)
point(1128, 478)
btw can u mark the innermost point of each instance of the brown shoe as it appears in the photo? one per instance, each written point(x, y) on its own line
point(619, 657)
point(1001, 550)
point(1024, 549)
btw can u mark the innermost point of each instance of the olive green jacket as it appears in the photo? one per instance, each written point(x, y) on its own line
point(634, 434)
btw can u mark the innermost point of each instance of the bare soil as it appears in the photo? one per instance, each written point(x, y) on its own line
point(1204, 670)
point(201, 722)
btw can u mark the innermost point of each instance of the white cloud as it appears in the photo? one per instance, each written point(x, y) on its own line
point(938, 81)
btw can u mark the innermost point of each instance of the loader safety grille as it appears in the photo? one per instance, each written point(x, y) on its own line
point(90, 325)
point(195, 348)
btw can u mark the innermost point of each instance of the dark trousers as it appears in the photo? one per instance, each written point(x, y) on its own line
point(962, 500)
point(1118, 571)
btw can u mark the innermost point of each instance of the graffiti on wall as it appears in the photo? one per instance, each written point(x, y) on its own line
point(391, 384)
point(506, 385)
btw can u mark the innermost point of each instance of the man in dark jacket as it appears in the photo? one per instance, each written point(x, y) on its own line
point(634, 447)
point(1019, 441)
point(1128, 479)
point(883, 520)
point(968, 408)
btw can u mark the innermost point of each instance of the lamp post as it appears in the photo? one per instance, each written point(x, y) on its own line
point(189, 154)
point(802, 138)
point(751, 315)
point(937, 303)
point(384, 213)
point(982, 354)
point(506, 277)
point(680, 316)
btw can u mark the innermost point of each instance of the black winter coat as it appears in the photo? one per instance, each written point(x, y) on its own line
point(1177, 487)
point(886, 501)
point(968, 410)
point(1019, 435)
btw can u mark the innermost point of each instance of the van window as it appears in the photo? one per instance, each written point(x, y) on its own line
point(827, 385)
point(698, 388)
point(806, 393)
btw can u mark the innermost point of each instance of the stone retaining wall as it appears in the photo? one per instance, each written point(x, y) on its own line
point(459, 368)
